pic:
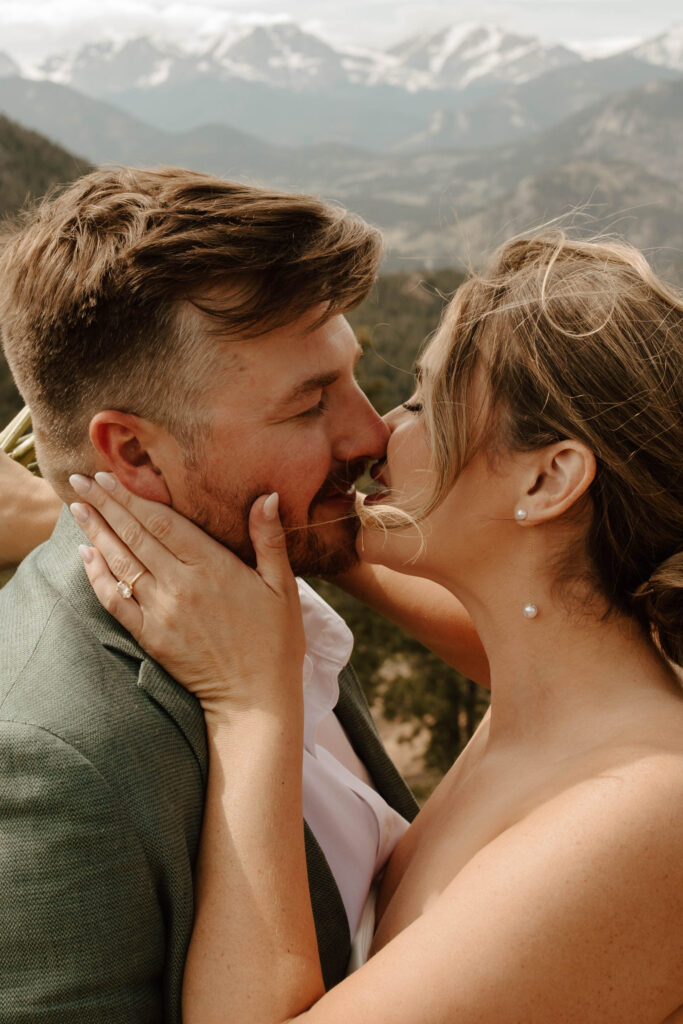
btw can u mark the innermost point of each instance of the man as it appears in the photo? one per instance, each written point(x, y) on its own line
point(186, 334)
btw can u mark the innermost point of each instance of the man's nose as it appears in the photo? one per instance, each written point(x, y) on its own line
point(365, 435)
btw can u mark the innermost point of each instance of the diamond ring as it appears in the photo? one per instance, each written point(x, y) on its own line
point(125, 589)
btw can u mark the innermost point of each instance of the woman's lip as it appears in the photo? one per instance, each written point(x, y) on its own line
point(379, 497)
point(376, 472)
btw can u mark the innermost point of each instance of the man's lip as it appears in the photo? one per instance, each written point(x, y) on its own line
point(347, 496)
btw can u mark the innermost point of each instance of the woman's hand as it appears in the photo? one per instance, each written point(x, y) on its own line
point(231, 635)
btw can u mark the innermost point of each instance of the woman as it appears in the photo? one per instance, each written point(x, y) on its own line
point(537, 475)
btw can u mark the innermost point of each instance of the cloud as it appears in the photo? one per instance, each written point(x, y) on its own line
point(32, 28)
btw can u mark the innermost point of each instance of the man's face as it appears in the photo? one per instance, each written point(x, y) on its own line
point(288, 417)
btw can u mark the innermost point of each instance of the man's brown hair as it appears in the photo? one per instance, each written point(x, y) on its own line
point(104, 284)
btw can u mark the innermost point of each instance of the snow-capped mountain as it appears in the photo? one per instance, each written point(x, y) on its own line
point(468, 54)
point(285, 55)
point(98, 69)
point(665, 50)
point(280, 55)
point(520, 110)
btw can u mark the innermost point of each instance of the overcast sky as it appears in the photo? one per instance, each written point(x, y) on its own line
point(32, 28)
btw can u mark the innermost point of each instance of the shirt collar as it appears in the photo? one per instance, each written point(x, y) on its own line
point(329, 643)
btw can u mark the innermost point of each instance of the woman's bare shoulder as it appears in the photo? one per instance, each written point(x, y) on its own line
point(573, 914)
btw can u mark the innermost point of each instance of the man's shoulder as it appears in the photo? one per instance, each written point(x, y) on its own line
point(70, 670)
point(101, 792)
point(48, 646)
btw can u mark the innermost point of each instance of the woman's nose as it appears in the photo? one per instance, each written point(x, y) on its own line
point(393, 417)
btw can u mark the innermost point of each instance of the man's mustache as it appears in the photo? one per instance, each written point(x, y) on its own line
point(341, 479)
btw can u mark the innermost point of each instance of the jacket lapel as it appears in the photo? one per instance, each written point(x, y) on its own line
point(354, 715)
point(329, 913)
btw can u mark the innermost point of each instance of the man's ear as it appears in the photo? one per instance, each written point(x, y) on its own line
point(127, 444)
point(560, 475)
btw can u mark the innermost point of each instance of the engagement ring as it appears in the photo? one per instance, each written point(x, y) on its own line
point(125, 589)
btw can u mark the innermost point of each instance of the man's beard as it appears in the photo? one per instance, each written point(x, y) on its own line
point(319, 547)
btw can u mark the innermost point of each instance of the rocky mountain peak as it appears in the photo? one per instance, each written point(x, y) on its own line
point(100, 68)
point(665, 49)
point(472, 53)
point(281, 54)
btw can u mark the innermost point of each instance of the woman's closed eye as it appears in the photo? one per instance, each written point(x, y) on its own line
point(412, 406)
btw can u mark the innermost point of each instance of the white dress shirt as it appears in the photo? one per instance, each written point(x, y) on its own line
point(355, 827)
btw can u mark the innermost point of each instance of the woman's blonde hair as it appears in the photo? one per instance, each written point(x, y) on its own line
point(577, 340)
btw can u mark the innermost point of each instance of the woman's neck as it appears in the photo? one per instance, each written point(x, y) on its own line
point(564, 667)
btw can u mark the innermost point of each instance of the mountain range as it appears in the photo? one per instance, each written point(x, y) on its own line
point(466, 86)
point(447, 141)
point(284, 55)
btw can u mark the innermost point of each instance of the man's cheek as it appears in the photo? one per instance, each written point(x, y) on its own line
point(291, 516)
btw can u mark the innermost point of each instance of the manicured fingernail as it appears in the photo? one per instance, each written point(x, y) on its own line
point(79, 512)
point(85, 553)
point(106, 480)
point(270, 506)
point(80, 484)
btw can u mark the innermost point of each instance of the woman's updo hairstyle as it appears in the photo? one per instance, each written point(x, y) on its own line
point(577, 340)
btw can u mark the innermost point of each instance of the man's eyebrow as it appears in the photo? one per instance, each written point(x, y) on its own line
point(317, 383)
point(308, 386)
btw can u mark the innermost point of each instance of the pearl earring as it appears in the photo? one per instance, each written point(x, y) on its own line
point(530, 610)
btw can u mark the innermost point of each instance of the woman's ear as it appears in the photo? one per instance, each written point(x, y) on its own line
point(126, 444)
point(563, 472)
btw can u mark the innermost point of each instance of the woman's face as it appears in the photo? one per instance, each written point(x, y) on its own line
point(462, 535)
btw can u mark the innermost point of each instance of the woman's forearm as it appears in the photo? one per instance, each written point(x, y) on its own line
point(29, 509)
point(424, 609)
point(253, 957)
point(234, 637)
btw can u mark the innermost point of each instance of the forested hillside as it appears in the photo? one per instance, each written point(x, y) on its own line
point(29, 166)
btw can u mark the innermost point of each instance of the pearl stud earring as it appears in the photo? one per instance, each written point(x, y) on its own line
point(521, 514)
point(530, 611)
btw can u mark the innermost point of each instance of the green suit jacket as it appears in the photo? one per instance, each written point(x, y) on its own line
point(102, 772)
